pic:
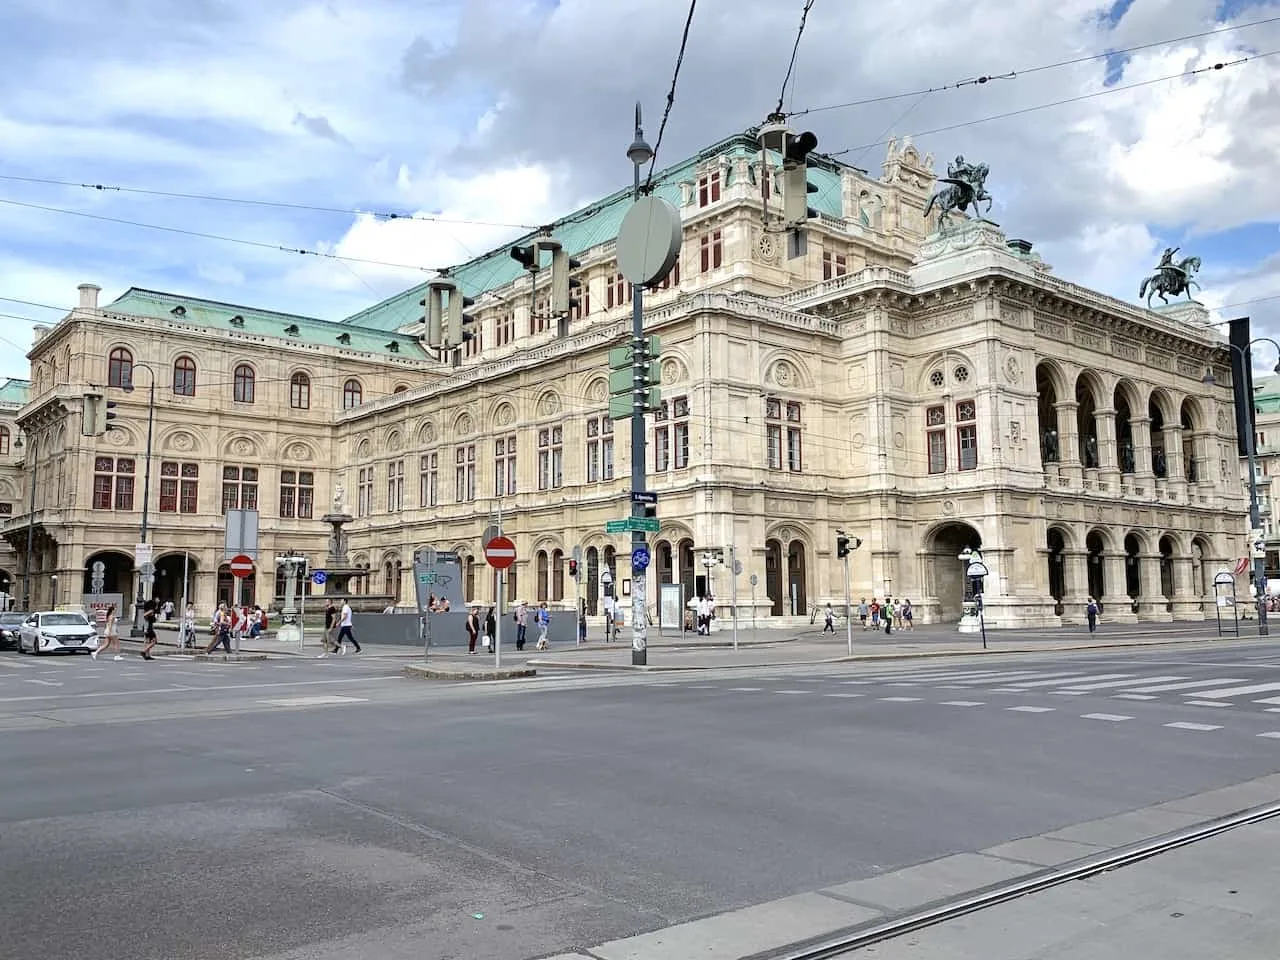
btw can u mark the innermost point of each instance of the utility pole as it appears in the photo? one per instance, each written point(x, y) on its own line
point(844, 546)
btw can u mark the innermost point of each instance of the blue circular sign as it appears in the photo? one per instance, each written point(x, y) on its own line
point(640, 558)
point(319, 577)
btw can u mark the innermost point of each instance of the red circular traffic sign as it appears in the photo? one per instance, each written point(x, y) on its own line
point(241, 566)
point(500, 552)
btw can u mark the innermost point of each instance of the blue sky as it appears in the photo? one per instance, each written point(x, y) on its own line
point(516, 111)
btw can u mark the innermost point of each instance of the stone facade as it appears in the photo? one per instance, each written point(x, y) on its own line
point(923, 391)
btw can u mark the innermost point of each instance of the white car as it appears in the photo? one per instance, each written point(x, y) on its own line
point(57, 630)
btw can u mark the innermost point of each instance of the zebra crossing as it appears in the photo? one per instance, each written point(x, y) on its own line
point(1213, 689)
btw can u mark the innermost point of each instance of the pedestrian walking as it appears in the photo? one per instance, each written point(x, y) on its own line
point(110, 636)
point(1091, 611)
point(907, 615)
point(862, 612)
point(830, 622)
point(221, 630)
point(473, 629)
point(345, 631)
point(886, 614)
point(490, 630)
point(875, 614)
point(544, 623)
point(522, 624)
point(149, 611)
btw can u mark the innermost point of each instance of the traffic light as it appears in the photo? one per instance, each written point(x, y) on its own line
point(108, 414)
point(97, 414)
point(527, 257)
point(842, 546)
point(563, 285)
point(795, 178)
point(460, 321)
point(573, 568)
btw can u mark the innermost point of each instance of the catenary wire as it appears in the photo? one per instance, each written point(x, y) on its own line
point(1013, 74)
point(213, 236)
point(795, 48)
point(1221, 65)
point(282, 204)
point(671, 95)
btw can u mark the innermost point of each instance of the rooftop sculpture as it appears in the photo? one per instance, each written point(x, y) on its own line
point(966, 186)
point(1170, 277)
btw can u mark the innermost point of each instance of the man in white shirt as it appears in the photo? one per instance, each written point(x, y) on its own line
point(344, 629)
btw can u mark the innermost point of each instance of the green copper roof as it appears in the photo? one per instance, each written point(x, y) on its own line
point(1266, 394)
point(589, 227)
point(14, 392)
point(211, 314)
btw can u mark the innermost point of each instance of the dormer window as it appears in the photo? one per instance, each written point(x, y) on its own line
point(292, 330)
point(237, 321)
point(394, 346)
point(344, 339)
point(179, 311)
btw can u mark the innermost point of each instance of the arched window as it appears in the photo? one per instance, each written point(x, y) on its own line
point(4, 441)
point(120, 368)
point(184, 377)
point(557, 574)
point(242, 391)
point(351, 394)
point(300, 391)
point(400, 388)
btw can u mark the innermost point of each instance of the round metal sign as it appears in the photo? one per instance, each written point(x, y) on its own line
point(649, 241)
point(500, 552)
point(241, 566)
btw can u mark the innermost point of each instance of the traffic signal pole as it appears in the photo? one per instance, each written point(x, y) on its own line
point(639, 394)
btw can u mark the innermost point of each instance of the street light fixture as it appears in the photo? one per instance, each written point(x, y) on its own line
point(639, 153)
point(1255, 513)
point(976, 571)
point(137, 629)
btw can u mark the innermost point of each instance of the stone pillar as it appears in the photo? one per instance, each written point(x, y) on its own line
point(1116, 606)
point(1143, 475)
point(1108, 453)
point(1075, 569)
point(1187, 602)
point(1069, 441)
point(1152, 604)
point(1173, 457)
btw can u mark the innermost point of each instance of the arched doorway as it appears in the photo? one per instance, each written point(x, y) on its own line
point(170, 579)
point(1087, 421)
point(1132, 571)
point(1166, 571)
point(116, 573)
point(1047, 413)
point(1095, 549)
point(227, 587)
point(1057, 568)
point(773, 575)
point(950, 585)
point(688, 574)
point(593, 581)
point(663, 561)
point(797, 579)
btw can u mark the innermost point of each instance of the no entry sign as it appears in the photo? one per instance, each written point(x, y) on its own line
point(500, 552)
point(241, 566)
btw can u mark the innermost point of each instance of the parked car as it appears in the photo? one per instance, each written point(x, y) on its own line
point(10, 624)
point(57, 630)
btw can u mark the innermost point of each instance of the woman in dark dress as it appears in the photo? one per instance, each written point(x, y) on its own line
point(473, 629)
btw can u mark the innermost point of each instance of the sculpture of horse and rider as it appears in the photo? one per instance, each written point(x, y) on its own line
point(1169, 277)
point(966, 187)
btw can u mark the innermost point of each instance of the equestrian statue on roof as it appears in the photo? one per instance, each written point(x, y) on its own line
point(1170, 277)
point(966, 186)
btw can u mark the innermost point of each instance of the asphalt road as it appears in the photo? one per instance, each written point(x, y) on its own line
point(326, 809)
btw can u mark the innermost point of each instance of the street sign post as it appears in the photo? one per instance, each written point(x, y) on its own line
point(647, 497)
point(499, 553)
point(241, 567)
point(632, 524)
point(640, 558)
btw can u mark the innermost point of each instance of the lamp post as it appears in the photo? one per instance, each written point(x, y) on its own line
point(639, 153)
point(1255, 514)
point(31, 526)
point(53, 590)
point(143, 577)
point(976, 571)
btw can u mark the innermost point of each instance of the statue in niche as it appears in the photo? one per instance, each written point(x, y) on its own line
point(1159, 465)
point(1090, 451)
point(1126, 457)
point(1049, 447)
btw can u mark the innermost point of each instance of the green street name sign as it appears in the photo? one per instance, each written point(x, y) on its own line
point(643, 524)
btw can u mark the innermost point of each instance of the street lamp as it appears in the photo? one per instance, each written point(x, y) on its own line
point(1255, 514)
point(639, 153)
point(146, 570)
point(31, 527)
point(53, 589)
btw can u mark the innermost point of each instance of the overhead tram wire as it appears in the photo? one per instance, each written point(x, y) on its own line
point(795, 48)
point(283, 204)
point(671, 98)
point(213, 236)
point(1014, 74)
point(1077, 99)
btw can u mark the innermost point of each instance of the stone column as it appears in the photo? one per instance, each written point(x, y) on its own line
point(1173, 457)
point(1075, 569)
point(1143, 475)
point(1152, 603)
point(1108, 452)
point(1069, 441)
point(1116, 606)
point(1187, 602)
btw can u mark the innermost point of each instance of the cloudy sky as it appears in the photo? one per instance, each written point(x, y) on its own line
point(512, 112)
